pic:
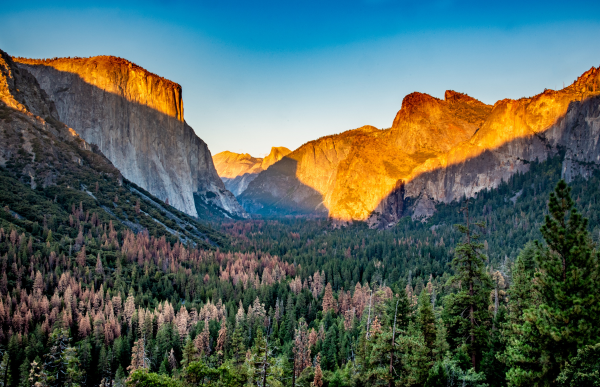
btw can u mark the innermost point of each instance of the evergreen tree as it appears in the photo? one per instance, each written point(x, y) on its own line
point(569, 309)
point(583, 369)
point(261, 362)
point(190, 353)
point(61, 364)
point(330, 348)
point(5, 374)
point(426, 322)
point(238, 348)
point(466, 314)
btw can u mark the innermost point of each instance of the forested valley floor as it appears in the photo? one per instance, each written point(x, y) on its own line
point(103, 285)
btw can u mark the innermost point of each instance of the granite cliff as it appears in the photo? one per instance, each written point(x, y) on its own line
point(435, 151)
point(136, 119)
point(52, 178)
point(237, 170)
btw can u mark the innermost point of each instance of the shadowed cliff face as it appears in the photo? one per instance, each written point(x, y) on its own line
point(280, 192)
point(35, 145)
point(439, 151)
point(237, 170)
point(136, 119)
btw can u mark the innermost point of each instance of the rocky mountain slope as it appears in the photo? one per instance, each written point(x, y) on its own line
point(136, 119)
point(51, 176)
point(435, 151)
point(237, 170)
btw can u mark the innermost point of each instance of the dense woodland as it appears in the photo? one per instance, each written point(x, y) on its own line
point(101, 286)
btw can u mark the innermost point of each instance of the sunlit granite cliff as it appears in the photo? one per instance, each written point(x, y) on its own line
point(435, 151)
point(136, 119)
point(237, 170)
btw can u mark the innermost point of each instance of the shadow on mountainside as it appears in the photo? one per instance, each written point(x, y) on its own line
point(576, 133)
point(141, 144)
point(280, 192)
point(372, 181)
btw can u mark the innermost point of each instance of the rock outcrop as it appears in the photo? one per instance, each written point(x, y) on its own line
point(237, 170)
point(136, 119)
point(435, 151)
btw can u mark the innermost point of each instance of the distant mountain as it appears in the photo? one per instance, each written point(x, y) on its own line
point(237, 170)
point(435, 151)
point(136, 119)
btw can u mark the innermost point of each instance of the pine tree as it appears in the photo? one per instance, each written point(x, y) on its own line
point(221, 342)
point(172, 361)
point(318, 380)
point(328, 300)
point(521, 354)
point(164, 365)
point(202, 341)
point(190, 353)
point(5, 374)
point(426, 322)
point(139, 356)
point(466, 314)
point(567, 316)
point(261, 360)
point(61, 365)
point(238, 348)
point(301, 349)
point(289, 323)
point(330, 348)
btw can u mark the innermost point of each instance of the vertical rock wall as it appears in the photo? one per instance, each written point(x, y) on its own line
point(136, 119)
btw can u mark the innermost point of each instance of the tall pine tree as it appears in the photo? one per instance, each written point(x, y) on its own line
point(569, 309)
point(466, 313)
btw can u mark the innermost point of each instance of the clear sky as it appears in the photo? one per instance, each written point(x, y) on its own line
point(264, 73)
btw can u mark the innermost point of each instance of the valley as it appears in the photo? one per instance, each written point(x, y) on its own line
point(132, 256)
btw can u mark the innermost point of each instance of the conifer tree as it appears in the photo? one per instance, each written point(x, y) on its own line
point(289, 323)
point(139, 356)
point(466, 314)
point(261, 360)
point(330, 349)
point(190, 353)
point(426, 322)
point(61, 364)
point(318, 380)
point(328, 300)
point(567, 316)
point(5, 374)
point(238, 347)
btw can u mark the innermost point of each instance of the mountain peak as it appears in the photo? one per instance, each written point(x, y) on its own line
point(277, 153)
point(429, 125)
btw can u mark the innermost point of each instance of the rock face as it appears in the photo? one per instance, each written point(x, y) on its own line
point(35, 145)
point(237, 170)
point(435, 151)
point(136, 119)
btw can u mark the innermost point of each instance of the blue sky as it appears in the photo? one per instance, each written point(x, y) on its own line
point(257, 74)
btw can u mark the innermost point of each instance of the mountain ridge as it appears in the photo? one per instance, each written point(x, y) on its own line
point(435, 151)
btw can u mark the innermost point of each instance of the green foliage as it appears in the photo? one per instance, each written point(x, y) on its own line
point(583, 369)
point(466, 311)
point(395, 297)
point(564, 308)
point(143, 378)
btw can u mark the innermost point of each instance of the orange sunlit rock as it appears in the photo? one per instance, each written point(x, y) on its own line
point(365, 174)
